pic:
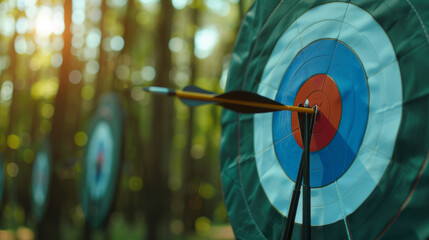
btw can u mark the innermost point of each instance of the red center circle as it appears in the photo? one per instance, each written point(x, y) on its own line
point(322, 91)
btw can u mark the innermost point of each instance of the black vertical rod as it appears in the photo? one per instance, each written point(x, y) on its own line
point(306, 126)
point(306, 211)
point(290, 222)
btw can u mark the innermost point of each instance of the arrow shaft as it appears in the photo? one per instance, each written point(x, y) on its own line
point(214, 98)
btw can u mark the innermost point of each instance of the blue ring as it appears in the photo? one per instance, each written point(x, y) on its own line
point(334, 58)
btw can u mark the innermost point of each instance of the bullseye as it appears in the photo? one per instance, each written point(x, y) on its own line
point(320, 90)
point(100, 159)
point(330, 75)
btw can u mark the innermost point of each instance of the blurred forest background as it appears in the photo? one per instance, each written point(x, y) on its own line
point(58, 56)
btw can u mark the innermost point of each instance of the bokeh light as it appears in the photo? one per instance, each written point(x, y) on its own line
point(202, 225)
point(28, 155)
point(12, 169)
point(149, 3)
point(220, 7)
point(207, 191)
point(6, 91)
point(176, 44)
point(87, 92)
point(13, 141)
point(122, 72)
point(94, 15)
point(117, 43)
point(47, 110)
point(179, 4)
point(75, 76)
point(44, 23)
point(135, 183)
point(78, 16)
point(137, 94)
point(80, 139)
point(20, 45)
point(57, 19)
point(116, 3)
point(45, 88)
point(148, 73)
point(56, 60)
point(205, 40)
point(92, 67)
point(7, 25)
point(93, 38)
point(22, 25)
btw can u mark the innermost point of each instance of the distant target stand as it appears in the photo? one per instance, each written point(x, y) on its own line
point(102, 160)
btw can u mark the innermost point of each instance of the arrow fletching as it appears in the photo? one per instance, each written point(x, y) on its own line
point(239, 96)
point(233, 95)
point(196, 103)
point(192, 88)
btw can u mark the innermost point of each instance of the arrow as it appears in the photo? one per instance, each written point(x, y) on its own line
point(238, 100)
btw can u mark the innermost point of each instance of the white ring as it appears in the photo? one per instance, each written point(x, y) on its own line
point(360, 31)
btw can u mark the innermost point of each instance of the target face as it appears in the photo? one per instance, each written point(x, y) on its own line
point(102, 160)
point(342, 57)
point(40, 181)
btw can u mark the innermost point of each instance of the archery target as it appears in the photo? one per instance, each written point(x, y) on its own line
point(339, 171)
point(40, 181)
point(350, 59)
point(102, 160)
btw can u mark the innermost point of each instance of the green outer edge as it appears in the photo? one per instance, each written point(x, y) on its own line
point(39, 211)
point(374, 215)
point(96, 213)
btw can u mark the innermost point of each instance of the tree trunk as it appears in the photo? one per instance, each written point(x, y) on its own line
point(14, 108)
point(61, 137)
point(191, 179)
point(158, 194)
point(103, 81)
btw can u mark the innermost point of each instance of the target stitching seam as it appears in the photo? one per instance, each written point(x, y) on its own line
point(420, 20)
point(342, 210)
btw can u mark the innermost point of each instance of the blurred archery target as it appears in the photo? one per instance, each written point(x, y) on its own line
point(102, 160)
point(40, 182)
point(99, 160)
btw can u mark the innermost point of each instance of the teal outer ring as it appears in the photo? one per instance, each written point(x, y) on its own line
point(381, 215)
point(37, 210)
point(108, 110)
